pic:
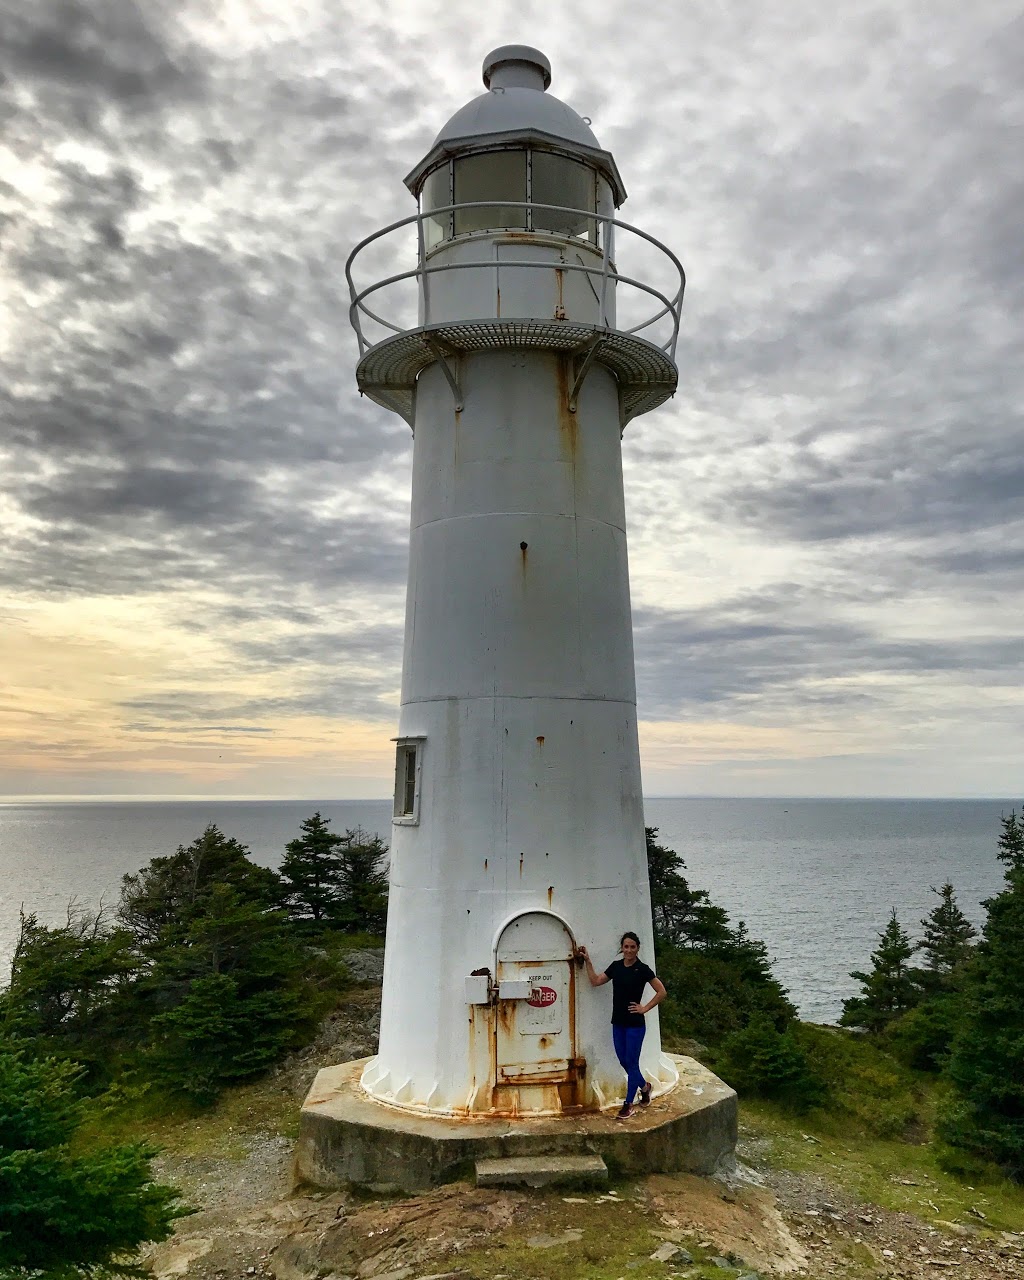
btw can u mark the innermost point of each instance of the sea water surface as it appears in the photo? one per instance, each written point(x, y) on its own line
point(815, 879)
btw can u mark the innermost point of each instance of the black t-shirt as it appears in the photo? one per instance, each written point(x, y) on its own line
point(628, 984)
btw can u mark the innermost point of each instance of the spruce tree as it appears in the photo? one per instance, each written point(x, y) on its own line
point(948, 935)
point(719, 977)
point(363, 907)
point(1011, 842)
point(160, 901)
point(66, 979)
point(226, 999)
point(223, 987)
point(66, 1212)
point(922, 1036)
point(313, 873)
point(683, 917)
point(986, 1063)
point(890, 988)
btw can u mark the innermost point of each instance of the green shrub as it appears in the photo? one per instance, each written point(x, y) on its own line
point(921, 1038)
point(718, 977)
point(861, 1080)
point(218, 1036)
point(710, 996)
point(768, 1063)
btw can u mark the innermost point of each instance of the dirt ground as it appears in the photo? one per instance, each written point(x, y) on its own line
point(790, 1225)
point(764, 1222)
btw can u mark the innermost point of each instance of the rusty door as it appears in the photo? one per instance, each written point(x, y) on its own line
point(536, 1035)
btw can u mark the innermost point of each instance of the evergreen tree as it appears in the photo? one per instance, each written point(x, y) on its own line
point(65, 978)
point(363, 905)
point(718, 977)
point(222, 1034)
point(948, 935)
point(683, 917)
point(65, 1215)
point(169, 892)
point(313, 873)
point(986, 1063)
point(226, 997)
point(1011, 842)
point(921, 1037)
point(762, 1060)
point(223, 987)
point(890, 989)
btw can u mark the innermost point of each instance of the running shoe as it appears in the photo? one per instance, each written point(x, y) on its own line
point(626, 1112)
point(645, 1096)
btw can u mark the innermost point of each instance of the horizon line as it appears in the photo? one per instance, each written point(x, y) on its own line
point(201, 798)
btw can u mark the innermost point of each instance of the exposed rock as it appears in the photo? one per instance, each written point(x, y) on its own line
point(669, 1252)
point(569, 1236)
point(179, 1253)
point(296, 1258)
point(365, 966)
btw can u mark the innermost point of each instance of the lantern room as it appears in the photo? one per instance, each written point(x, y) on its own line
point(516, 159)
point(516, 247)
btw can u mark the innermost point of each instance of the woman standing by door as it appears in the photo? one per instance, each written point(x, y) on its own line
point(628, 976)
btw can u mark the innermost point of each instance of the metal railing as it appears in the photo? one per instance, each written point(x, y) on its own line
point(607, 272)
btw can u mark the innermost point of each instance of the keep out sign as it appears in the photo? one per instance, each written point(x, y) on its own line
point(541, 997)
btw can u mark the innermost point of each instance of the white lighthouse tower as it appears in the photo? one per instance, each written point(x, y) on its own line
point(518, 823)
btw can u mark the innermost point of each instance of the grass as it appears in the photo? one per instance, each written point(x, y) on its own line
point(616, 1242)
point(871, 1143)
point(128, 1114)
point(895, 1175)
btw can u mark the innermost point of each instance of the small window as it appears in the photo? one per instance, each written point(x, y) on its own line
point(493, 176)
point(559, 180)
point(437, 192)
point(408, 766)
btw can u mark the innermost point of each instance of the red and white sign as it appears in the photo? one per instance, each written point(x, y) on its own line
point(541, 997)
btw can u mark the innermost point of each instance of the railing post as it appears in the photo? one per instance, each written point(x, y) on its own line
point(422, 277)
point(606, 241)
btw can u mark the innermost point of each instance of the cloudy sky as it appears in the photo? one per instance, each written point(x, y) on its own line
point(203, 529)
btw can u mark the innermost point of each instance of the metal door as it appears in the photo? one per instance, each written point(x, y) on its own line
point(536, 1036)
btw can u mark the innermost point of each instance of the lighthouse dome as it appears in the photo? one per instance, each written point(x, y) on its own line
point(514, 110)
point(517, 108)
point(517, 78)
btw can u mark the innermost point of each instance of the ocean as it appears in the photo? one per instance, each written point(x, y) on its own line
point(815, 879)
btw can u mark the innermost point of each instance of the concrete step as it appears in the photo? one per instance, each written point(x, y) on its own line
point(541, 1171)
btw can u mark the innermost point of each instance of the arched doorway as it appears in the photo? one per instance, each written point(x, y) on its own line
point(535, 1030)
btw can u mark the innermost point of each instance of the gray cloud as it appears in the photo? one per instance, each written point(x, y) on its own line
point(793, 648)
point(107, 48)
point(178, 404)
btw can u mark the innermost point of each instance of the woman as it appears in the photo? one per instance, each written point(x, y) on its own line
point(628, 976)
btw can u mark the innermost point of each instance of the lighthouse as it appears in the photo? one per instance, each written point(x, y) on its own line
point(518, 342)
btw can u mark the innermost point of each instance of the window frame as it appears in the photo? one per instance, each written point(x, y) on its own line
point(410, 745)
point(592, 238)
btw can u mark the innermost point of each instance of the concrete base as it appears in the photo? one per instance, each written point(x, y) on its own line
point(346, 1137)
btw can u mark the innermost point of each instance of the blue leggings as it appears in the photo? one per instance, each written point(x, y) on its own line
point(628, 1042)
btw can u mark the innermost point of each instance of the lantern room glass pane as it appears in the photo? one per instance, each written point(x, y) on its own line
point(437, 192)
point(494, 176)
point(559, 180)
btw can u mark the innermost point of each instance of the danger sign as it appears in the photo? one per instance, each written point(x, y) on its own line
point(541, 997)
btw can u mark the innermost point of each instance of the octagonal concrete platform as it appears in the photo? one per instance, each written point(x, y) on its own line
point(345, 1137)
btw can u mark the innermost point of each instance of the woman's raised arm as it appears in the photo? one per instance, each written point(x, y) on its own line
point(596, 979)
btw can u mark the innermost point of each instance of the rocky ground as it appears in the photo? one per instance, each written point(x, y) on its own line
point(763, 1222)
